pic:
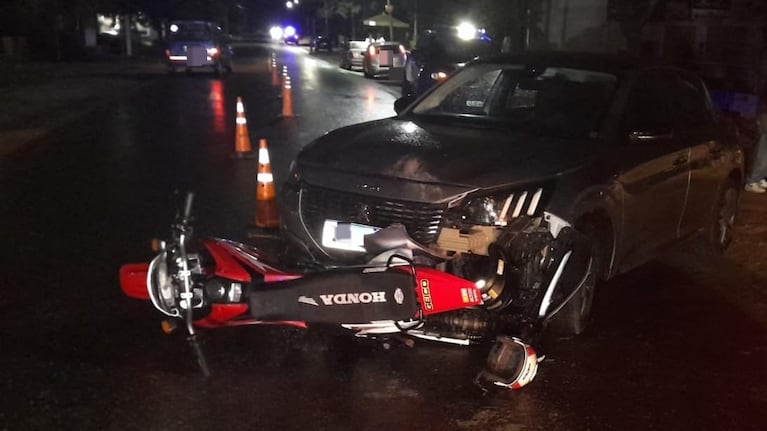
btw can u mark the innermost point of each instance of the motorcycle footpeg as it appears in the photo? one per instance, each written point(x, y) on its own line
point(511, 364)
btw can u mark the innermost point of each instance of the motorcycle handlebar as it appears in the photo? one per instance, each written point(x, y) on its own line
point(187, 207)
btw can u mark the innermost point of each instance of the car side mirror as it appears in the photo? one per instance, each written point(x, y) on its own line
point(640, 137)
point(402, 103)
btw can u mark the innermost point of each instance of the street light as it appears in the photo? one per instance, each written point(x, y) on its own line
point(289, 5)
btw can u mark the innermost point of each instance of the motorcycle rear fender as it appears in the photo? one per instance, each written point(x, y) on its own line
point(439, 292)
point(133, 280)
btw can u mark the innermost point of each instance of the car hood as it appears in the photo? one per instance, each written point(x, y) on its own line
point(429, 152)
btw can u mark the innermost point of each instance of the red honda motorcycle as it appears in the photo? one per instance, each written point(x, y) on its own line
point(214, 283)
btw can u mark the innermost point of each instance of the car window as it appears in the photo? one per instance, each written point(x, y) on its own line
point(358, 45)
point(691, 104)
point(648, 109)
point(552, 101)
point(191, 33)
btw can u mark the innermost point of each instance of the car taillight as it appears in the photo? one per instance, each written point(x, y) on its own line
point(167, 53)
point(402, 49)
point(212, 51)
point(372, 51)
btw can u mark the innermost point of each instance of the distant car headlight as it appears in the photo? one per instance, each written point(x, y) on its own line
point(499, 209)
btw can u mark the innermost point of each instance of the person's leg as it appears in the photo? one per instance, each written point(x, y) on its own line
point(759, 165)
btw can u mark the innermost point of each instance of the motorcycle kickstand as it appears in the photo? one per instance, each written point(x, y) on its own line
point(199, 355)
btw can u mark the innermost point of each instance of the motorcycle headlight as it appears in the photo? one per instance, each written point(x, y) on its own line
point(499, 209)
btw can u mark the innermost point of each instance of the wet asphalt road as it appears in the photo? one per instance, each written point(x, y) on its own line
point(671, 346)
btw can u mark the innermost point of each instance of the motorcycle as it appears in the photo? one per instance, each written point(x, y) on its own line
point(216, 283)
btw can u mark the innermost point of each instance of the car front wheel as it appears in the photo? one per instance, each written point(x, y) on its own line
point(574, 316)
point(719, 233)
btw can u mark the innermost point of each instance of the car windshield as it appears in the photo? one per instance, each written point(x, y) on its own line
point(190, 33)
point(456, 50)
point(544, 100)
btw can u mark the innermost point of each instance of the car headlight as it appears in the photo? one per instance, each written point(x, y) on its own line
point(499, 209)
point(212, 51)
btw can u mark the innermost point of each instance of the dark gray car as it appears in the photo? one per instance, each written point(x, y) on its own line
point(198, 45)
point(492, 166)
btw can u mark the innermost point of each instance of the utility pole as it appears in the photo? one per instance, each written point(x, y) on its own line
point(389, 8)
point(327, 18)
point(128, 41)
point(415, 23)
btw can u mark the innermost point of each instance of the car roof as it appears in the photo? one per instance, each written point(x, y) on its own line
point(194, 22)
point(612, 63)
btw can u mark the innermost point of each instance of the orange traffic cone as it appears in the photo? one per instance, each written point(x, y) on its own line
point(267, 215)
point(242, 147)
point(287, 99)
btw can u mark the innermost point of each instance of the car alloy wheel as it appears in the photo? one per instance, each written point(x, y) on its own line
point(725, 217)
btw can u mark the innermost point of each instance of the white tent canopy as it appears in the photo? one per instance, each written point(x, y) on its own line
point(385, 20)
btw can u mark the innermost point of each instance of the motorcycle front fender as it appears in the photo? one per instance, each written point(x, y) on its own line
point(133, 280)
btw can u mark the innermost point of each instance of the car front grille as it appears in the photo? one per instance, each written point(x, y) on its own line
point(422, 220)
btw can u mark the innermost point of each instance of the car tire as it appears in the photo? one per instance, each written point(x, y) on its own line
point(574, 317)
point(719, 232)
point(219, 68)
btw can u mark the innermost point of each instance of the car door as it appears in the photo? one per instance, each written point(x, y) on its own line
point(695, 124)
point(654, 171)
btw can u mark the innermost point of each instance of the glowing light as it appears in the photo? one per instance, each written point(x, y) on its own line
point(216, 98)
point(439, 76)
point(371, 23)
point(275, 32)
point(480, 284)
point(370, 100)
point(289, 31)
point(409, 127)
point(289, 5)
point(173, 28)
point(212, 51)
point(466, 31)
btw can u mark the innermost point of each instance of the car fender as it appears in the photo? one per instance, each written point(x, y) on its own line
point(601, 207)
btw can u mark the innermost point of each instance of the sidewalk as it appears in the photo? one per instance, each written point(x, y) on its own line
point(36, 98)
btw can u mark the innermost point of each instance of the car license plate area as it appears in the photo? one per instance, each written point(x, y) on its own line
point(384, 58)
point(345, 236)
point(197, 56)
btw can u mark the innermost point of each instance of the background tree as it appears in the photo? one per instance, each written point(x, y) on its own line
point(633, 16)
point(349, 10)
